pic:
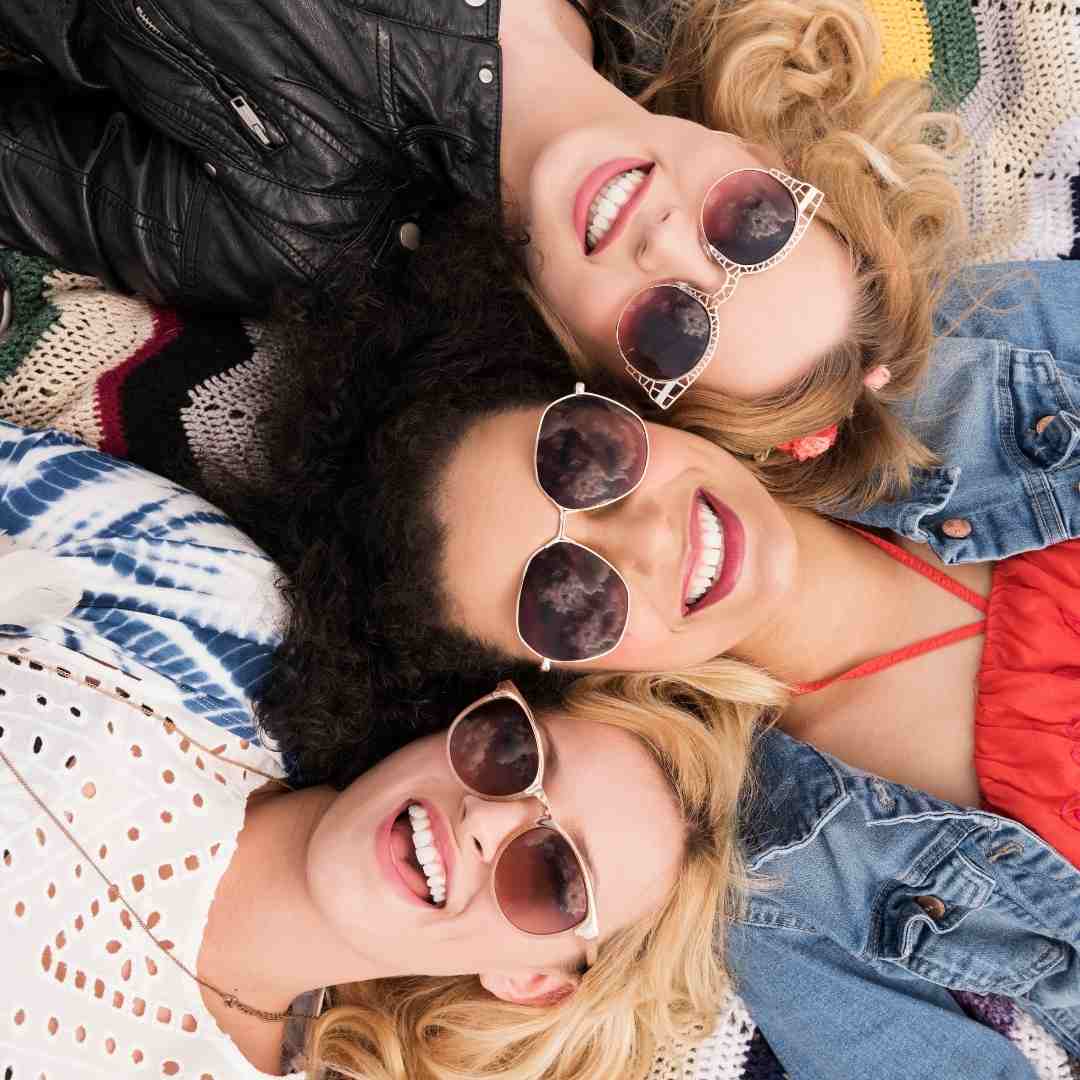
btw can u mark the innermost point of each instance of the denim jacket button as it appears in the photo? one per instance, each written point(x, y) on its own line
point(956, 528)
point(1042, 424)
point(932, 905)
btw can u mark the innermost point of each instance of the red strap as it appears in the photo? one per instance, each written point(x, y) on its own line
point(931, 573)
point(908, 652)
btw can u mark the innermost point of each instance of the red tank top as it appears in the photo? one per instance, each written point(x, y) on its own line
point(1027, 711)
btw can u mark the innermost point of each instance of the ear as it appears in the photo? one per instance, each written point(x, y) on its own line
point(530, 987)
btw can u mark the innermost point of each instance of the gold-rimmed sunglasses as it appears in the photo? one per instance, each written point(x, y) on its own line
point(669, 332)
point(540, 881)
point(573, 605)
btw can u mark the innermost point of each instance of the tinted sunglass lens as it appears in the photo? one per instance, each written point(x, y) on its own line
point(573, 605)
point(748, 216)
point(664, 332)
point(589, 451)
point(540, 884)
point(494, 750)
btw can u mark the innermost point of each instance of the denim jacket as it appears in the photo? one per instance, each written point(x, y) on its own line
point(1001, 409)
point(874, 900)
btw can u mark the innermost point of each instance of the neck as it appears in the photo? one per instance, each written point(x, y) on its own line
point(549, 85)
point(840, 609)
point(264, 940)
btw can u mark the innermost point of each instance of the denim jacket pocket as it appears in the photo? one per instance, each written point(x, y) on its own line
point(948, 929)
point(1039, 419)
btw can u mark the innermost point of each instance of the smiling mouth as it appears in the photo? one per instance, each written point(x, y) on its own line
point(609, 204)
point(717, 544)
point(418, 863)
point(710, 555)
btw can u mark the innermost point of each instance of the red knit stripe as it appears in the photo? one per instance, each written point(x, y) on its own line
point(167, 327)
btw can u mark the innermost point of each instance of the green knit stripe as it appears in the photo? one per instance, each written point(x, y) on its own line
point(955, 70)
point(32, 313)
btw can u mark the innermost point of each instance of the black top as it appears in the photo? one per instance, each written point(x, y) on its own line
point(208, 154)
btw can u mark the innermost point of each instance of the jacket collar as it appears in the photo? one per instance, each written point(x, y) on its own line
point(795, 790)
point(931, 492)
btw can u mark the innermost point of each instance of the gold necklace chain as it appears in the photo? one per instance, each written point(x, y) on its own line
point(231, 1001)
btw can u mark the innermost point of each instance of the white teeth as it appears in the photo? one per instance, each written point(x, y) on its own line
point(711, 555)
point(605, 208)
point(427, 855)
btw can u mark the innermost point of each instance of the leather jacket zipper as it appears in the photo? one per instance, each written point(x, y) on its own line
point(250, 119)
point(237, 100)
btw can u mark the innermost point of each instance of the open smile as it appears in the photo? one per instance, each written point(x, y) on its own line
point(415, 854)
point(717, 543)
point(606, 200)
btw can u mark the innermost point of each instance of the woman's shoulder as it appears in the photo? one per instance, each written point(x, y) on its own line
point(168, 583)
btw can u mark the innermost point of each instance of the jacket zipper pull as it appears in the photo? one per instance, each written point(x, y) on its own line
point(250, 119)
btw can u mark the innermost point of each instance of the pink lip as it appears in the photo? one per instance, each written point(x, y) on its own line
point(734, 550)
point(590, 188)
point(388, 862)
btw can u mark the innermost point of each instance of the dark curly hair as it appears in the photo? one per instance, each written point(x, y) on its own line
point(375, 391)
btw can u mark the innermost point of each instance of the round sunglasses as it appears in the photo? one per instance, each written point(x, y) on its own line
point(573, 605)
point(540, 882)
point(751, 220)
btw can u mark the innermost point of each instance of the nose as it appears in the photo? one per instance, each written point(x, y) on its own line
point(641, 536)
point(672, 249)
point(486, 825)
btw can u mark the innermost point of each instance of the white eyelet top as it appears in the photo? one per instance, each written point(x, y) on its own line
point(87, 993)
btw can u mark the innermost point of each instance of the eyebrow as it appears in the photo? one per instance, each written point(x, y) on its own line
point(574, 834)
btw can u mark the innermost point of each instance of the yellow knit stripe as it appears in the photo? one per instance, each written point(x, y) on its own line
point(906, 39)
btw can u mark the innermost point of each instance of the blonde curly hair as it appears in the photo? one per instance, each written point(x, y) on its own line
point(801, 78)
point(653, 982)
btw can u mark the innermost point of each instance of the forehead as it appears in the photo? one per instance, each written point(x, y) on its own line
point(606, 787)
point(494, 516)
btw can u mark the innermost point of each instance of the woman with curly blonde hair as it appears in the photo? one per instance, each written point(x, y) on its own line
point(755, 306)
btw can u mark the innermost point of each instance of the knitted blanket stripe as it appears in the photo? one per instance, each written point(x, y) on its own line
point(1011, 68)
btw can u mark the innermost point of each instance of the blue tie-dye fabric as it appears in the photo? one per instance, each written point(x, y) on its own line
point(168, 583)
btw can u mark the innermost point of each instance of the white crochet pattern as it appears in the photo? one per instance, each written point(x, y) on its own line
point(225, 420)
point(721, 1055)
point(88, 995)
point(1023, 122)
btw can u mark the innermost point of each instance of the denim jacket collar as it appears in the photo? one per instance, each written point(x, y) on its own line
point(796, 789)
point(932, 490)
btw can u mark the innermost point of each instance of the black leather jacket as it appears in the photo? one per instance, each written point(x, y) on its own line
point(207, 152)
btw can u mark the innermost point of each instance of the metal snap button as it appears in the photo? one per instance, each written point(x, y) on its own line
point(1042, 424)
point(933, 906)
point(409, 236)
point(209, 169)
point(7, 306)
point(486, 75)
point(956, 528)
